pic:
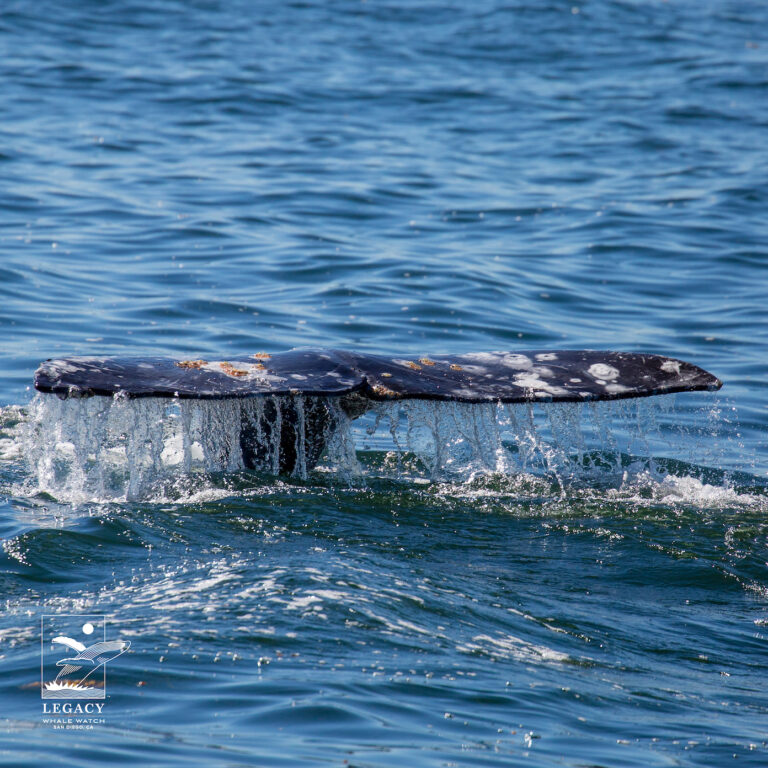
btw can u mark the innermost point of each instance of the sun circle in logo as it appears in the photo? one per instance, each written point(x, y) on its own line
point(88, 628)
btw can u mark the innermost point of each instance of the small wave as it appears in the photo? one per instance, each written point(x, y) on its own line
point(673, 489)
point(511, 647)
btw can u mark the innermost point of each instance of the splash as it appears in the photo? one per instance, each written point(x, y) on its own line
point(567, 442)
point(96, 449)
point(114, 449)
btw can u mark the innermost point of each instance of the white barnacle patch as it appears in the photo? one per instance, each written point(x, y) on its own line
point(532, 382)
point(543, 356)
point(483, 358)
point(239, 371)
point(60, 367)
point(475, 370)
point(671, 366)
point(516, 360)
point(616, 389)
point(575, 381)
point(90, 359)
point(603, 371)
point(465, 392)
point(480, 361)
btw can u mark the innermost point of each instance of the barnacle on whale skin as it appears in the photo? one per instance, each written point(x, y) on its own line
point(382, 391)
point(230, 369)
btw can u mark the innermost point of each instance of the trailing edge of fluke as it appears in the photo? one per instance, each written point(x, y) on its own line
point(507, 377)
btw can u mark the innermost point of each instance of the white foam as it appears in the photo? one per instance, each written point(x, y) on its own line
point(511, 647)
point(692, 490)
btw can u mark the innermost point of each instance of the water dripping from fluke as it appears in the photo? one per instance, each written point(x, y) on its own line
point(109, 428)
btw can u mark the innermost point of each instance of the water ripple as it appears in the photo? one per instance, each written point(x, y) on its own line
point(204, 178)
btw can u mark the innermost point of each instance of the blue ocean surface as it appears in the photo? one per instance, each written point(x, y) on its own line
point(208, 179)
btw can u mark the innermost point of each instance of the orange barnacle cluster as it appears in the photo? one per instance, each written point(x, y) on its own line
point(455, 367)
point(260, 367)
point(382, 391)
point(386, 375)
point(426, 361)
point(230, 369)
point(191, 363)
point(414, 366)
point(262, 356)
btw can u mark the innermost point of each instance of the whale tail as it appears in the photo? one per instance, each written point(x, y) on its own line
point(93, 656)
point(304, 394)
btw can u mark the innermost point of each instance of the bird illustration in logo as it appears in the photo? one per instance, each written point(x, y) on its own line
point(91, 657)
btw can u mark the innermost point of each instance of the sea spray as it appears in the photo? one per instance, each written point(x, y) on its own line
point(100, 448)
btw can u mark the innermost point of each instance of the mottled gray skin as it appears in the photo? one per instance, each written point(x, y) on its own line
point(360, 379)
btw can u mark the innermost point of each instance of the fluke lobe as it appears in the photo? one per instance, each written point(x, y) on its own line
point(358, 380)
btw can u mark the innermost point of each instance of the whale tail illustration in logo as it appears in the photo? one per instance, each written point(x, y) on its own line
point(78, 676)
point(91, 657)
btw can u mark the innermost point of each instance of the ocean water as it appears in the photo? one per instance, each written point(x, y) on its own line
point(453, 586)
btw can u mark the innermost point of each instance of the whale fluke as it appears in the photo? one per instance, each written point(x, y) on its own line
point(358, 380)
point(507, 377)
point(93, 656)
point(75, 645)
